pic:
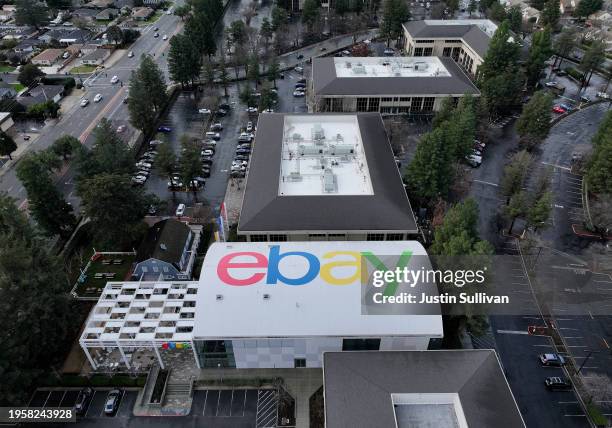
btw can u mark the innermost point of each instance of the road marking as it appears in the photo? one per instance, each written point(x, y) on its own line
point(543, 346)
point(487, 182)
point(605, 343)
point(559, 206)
point(568, 402)
point(580, 416)
point(102, 113)
point(591, 315)
point(511, 332)
point(607, 282)
point(557, 166)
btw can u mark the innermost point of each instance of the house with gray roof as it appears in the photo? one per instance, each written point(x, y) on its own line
point(464, 40)
point(324, 177)
point(389, 85)
point(167, 252)
point(96, 57)
point(402, 389)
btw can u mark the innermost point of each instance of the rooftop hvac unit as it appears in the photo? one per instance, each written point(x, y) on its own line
point(348, 65)
point(329, 181)
point(317, 132)
point(295, 176)
point(340, 149)
point(309, 150)
point(420, 66)
point(297, 137)
point(359, 69)
point(339, 137)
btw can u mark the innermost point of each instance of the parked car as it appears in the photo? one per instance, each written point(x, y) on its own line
point(114, 79)
point(83, 400)
point(84, 102)
point(585, 99)
point(346, 53)
point(249, 127)
point(207, 152)
point(242, 157)
point(154, 143)
point(204, 111)
point(112, 401)
point(558, 109)
point(474, 160)
point(221, 112)
point(566, 107)
point(299, 69)
point(603, 95)
point(156, 35)
point(551, 84)
point(388, 52)
point(216, 127)
point(143, 164)
point(200, 180)
point(557, 383)
point(121, 128)
point(205, 172)
point(165, 37)
point(298, 93)
point(551, 360)
point(164, 129)
point(251, 110)
point(245, 137)
point(300, 56)
point(213, 135)
point(180, 210)
point(131, 54)
point(225, 106)
point(561, 73)
point(207, 161)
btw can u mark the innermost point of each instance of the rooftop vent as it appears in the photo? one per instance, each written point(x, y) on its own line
point(266, 297)
point(219, 297)
point(163, 246)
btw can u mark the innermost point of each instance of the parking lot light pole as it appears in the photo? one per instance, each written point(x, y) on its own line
point(585, 360)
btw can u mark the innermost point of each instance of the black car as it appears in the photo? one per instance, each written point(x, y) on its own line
point(302, 81)
point(557, 383)
point(243, 152)
point(224, 106)
point(242, 157)
point(207, 161)
point(221, 112)
point(205, 172)
point(82, 401)
point(300, 56)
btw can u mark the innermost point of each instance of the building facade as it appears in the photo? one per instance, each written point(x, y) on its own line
point(387, 85)
point(465, 41)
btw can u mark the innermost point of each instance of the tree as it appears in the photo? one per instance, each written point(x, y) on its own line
point(429, 174)
point(165, 162)
point(592, 59)
point(601, 214)
point(209, 73)
point(535, 121)
point(109, 155)
point(310, 13)
point(36, 312)
point(184, 60)
point(237, 32)
point(599, 166)
point(515, 17)
point(472, 7)
point(268, 99)
point(223, 74)
point(550, 14)
point(604, 131)
point(279, 18)
point(503, 91)
point(147, 94)
point(497, 12)
point(115, 208)
point(114, 34)
point(515, 174)
point(564, 44)
point(65, 145)
point(516, 207)
point(253, 70)
point(266, 30)
point(29, 74)
point(182, 11)
point(199, 28)
point(539, 212)
point(7, 145)
point(537, 4)
point(453, 6)
point(587, 7)
point(190, 162)
point(31, 12)
point(274, 71)
point(395, 13)
point(45, 202)
point(502, 54)
point(445, 112)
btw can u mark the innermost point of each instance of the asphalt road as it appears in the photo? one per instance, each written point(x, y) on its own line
point(81, 121)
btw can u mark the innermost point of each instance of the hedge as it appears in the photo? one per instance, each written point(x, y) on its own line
point(575, 73)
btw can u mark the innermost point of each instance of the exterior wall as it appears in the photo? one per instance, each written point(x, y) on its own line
point(385, 104)
point(327, 236)
point(151, 265)
point(281, 353)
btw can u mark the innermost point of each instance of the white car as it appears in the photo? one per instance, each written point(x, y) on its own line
point(84, 102)
point(207, 152)
point(550, 84)
point(251, 109)
point(144, 165)
point(249, 127)
point(165, 37)
point(204, 111)
point(603, 95)
point(299, 69)
point(474, 160)
point(298, 93)
point(114, 79)
point(155, 142)
point(130, 54)
point(180, 210)
point(66, 55)
point(98, 98)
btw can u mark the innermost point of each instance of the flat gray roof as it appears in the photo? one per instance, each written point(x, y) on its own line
point(358, 386)
point(264, 210)
point(453, 82)
point(477, 36)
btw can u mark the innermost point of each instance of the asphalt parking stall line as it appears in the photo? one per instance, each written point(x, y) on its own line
point(96, 405)
point(55, 398)
point(225, 403)
point(39, 398)
point(69, 398)
point(126, 405)
point(210, 407)
point(238, 402)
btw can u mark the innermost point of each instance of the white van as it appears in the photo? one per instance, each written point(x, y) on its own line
point(213, 135)
point(180, 210)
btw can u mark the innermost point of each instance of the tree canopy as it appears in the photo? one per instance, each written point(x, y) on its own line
point(534, 124)
point(147, 95)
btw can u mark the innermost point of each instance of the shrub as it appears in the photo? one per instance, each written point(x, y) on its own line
point(575, 73)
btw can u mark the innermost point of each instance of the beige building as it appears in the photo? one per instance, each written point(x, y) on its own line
point(48, 57)
point(465, 40)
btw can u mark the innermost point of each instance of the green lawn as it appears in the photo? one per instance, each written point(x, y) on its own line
point(17, 86)
point(92, 286)
point(83, 69)
point(152, 18)
point(6, 68)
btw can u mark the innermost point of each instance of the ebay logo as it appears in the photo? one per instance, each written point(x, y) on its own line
point(233, 270)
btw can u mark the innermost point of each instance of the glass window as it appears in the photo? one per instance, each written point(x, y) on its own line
point(427, 51)
point(405, 99)
point(447, 51)
point(259, 238)
point(337, 104)
point(415, 105)
point(299, 363)
point(374, 104)
point(452, 41)
point(278, 238)
point(360, 344)
point(428, 104)
point(395, 236)
point(362, 104)
point(418, 52)
point(424, 41)
point(375, 237)
point(386, 99)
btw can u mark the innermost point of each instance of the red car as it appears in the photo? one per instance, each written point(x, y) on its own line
point(558, 109)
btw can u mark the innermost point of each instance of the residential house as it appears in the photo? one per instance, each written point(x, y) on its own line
point(142, 13)
point(48, 57)
point(96, 57)
point(40, 94)
point(28, 45)
point(85, 14)
point(6, 121)
point(100, 4)
point(7, 12)
point(7, 92)
point(19, 33)
point(528, 12)
point(107, 14)
point(167, 252)
point(568, 6)
point(76, 36)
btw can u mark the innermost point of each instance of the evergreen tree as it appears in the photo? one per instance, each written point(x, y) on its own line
point(539, 213)
point(395, 13)
point(65, 146)
point(564, 44)
point(147, 95)
point(534, 124)
point(502, 54)
point(183, 60)
point(190, 162)
point(515, 17)
point(310, 13)
point(587, 7)
point(550, 14)
point(7, 145)
point(31, 12)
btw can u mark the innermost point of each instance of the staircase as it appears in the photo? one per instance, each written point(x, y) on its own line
point(176, 390)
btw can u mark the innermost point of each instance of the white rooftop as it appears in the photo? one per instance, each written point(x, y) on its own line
point(142, 311)
point(323, 155)
point(485, 25)
point(390, 67)
point(315, 308)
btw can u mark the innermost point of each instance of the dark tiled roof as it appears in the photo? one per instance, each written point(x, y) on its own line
point(165, 241)
point(326, 82)
point(358, 386)
point(264, 210)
